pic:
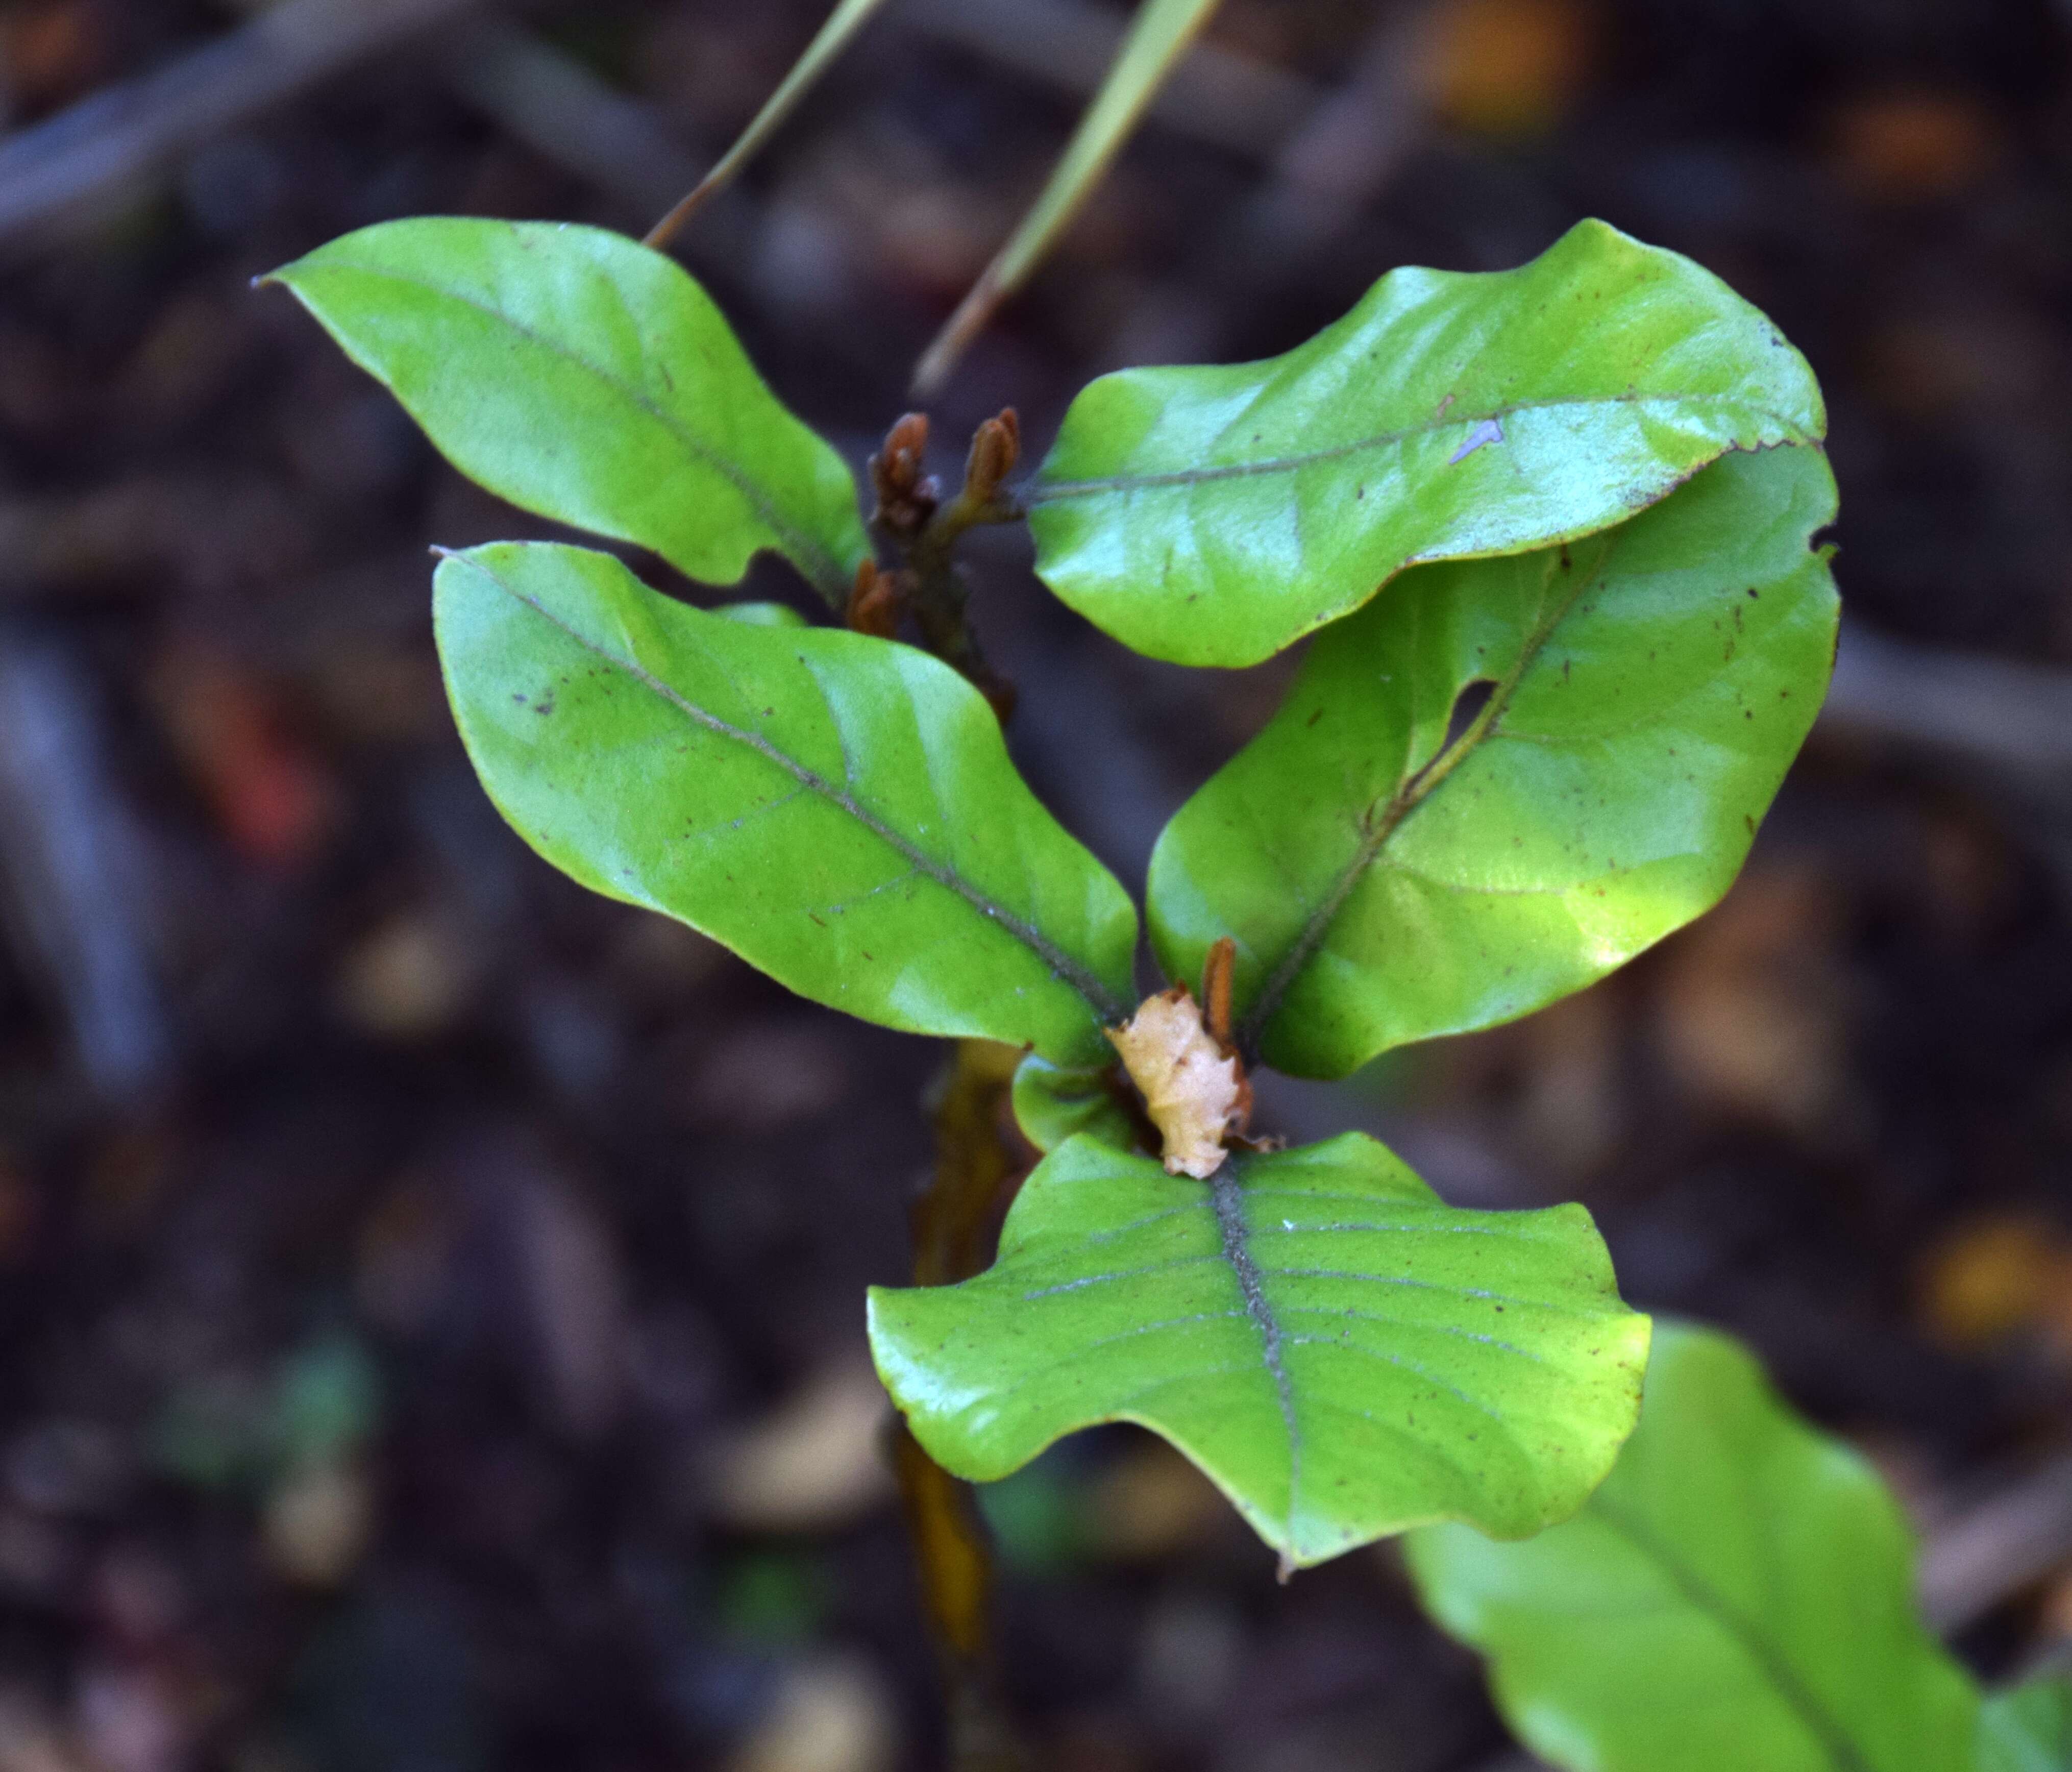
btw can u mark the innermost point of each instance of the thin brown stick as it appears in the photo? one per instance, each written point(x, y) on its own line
point(979, 1160)
point(955, 1566)
point(2010, 1539)
point(1216, 970)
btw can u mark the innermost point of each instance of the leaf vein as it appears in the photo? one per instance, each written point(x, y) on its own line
point(1144, 1272)
point(1430, 1286)
point(1062, 965)
point(1834, 1740)
point(820, 564)
point(1223, 1189)
point(1408, 795)
point(1411, 1323)
point(1054, 492)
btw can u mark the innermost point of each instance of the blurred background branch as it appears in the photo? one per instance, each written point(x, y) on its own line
point(101, 146)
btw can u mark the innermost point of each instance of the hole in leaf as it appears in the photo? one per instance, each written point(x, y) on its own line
point(1468, 706)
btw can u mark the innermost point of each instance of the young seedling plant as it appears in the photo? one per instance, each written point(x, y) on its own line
point(1551, 536)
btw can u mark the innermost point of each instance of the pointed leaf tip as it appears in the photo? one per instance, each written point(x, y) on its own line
point(591, 380)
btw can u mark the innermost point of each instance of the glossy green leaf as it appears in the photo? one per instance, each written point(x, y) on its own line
point(1211, 515)
point(1738, 1595)
point(582, 376)
point(838, 810)
point(1052, 1102)
point(2028, 1729)
point(1651, 686)
point(1341, 1353)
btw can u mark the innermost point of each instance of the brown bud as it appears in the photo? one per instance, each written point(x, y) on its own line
point(907, 498)
point(906, 445)
point(996, 447)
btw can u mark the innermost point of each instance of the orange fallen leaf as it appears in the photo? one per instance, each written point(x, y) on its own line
point(1914, 147)
point(1507, 68)
point(271, 793)
point(1994, 1277)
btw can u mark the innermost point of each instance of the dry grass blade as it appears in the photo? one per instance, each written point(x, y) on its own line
point(1162, 32)
point(1215, 94)
point(568, 115)
point(847, 20)
point(2009, 1541)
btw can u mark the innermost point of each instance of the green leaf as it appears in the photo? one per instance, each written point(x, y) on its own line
point(838, 810)
point(1341, 1353)
point(1211, 515)
point(1052, 1102)
point(1739, 1594)
point(1383, 884)
point(2028, 1729)
point(589, 380)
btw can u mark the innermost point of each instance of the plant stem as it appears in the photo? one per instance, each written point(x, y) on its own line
point(956, 1587)
point(980, 1161)
point(980, 1157)
point(911, 517)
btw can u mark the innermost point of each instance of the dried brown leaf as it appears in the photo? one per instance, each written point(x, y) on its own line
point(1195, 1091)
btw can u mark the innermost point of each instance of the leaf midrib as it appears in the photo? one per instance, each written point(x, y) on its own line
point(820, 564)
point(1106, 1008)
point(1409, 794)
point(1842, 1752)
point(1041, 491)
point(1227, 1198)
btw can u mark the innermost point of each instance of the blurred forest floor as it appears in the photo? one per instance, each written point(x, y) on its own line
point(430, 1297)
